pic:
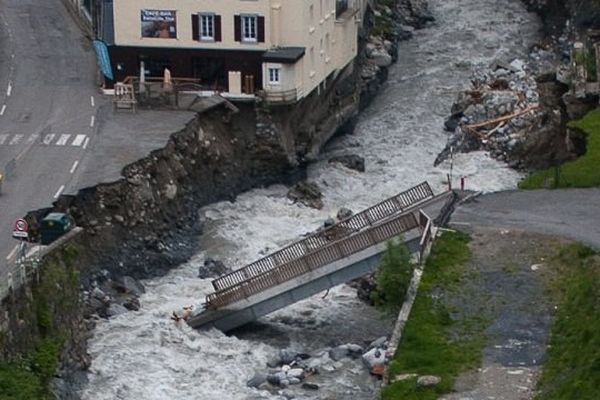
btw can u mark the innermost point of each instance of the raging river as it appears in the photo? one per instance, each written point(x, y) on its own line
point(144, 355)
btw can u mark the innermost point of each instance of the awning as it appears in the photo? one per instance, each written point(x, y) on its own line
point(285, 55)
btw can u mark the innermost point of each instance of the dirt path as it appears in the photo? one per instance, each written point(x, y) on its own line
point(504, 285)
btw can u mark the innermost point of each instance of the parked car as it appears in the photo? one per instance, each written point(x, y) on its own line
point(54, 225)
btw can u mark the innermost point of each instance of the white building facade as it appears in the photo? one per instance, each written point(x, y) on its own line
point(281, 49)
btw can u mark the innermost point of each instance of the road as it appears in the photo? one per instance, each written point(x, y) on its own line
point(48, 105)
point(572, 213)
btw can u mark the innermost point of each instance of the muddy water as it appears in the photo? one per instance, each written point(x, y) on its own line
point(142, 355)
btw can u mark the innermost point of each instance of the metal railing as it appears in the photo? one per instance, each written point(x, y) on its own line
point(318, 258)
point(379, 212)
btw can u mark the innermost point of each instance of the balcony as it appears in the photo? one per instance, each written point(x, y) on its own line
point(280, 97)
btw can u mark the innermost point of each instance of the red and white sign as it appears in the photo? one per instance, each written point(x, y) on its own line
point(20, 229)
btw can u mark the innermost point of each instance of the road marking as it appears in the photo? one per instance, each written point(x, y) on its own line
point(16, 139)
point(13, 252)
point(74, 166)
point(48, 139)
point(92, 101)
point(3, 109)
point(59, 191)
point(32, 138)
point(3, 138)
point(92, 120)
point(63, 139)
point(9, 89)
point(87, 140)
point(78, 140)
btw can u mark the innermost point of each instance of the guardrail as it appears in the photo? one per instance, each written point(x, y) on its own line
point(379, 212)
point(426, 224)
point(316, 259)
point(26, 267)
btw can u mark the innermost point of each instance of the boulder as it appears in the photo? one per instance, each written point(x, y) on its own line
point(310, 386)
point(211, 268)
point(373, 357)
point(132, 304)
point(295, 373)
point(380, 342)
point(115, 309)
point(308, 193)
point(344, 213)
point(257, 380)
point(428, 380)
point(381, 58)
point(351, 161)
point(338, 353)
point(129, 285)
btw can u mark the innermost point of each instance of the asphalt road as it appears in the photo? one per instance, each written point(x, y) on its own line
point(48, 105)
point(572, 213)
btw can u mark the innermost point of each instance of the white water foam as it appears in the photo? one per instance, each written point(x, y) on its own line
point(143, 355)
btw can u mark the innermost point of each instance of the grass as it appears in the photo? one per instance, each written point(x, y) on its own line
point(437, 341)
point(583, 172)
point(572, 367)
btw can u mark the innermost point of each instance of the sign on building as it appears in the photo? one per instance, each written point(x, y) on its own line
point(159, 24)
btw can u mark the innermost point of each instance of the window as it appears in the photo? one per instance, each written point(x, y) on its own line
point(207, 27)
point(274, 76)
point(249, 31)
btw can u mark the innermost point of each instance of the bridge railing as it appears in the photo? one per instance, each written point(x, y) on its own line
point(314, 260)
point(367, 218)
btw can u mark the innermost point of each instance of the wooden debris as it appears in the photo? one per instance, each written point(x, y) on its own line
point(503, 118)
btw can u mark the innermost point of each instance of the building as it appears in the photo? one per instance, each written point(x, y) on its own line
point(281, 49)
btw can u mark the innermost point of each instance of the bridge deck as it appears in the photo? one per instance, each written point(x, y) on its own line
point(336, 262)
point(369, 217)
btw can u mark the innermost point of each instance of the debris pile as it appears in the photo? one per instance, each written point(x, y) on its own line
point(496, 114)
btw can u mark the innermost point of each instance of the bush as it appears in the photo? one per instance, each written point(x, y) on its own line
point(393, 277)
point(18, 384)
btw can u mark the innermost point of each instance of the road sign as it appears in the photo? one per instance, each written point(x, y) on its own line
point(20, 229)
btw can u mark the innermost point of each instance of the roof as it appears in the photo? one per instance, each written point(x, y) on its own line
point(54, 216)
point(285, 55)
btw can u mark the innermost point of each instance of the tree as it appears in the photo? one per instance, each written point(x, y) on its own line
point(393, 277)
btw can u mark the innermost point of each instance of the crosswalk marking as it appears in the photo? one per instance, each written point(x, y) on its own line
point(16, 139)
point(48, 139)
point(63, 139)
point(78, 140)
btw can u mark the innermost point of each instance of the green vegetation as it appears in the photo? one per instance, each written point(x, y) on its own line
point(572, 368)
point(393, 277)
point(47, 315)
point(435, 341)
point(583, 172)
point(16, 383)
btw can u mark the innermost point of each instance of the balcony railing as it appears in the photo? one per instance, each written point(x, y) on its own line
point(279, 97)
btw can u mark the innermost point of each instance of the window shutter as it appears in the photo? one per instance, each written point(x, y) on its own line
point(217, 28)
point(261, 29)
point(237, 27)
point(195, 27)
